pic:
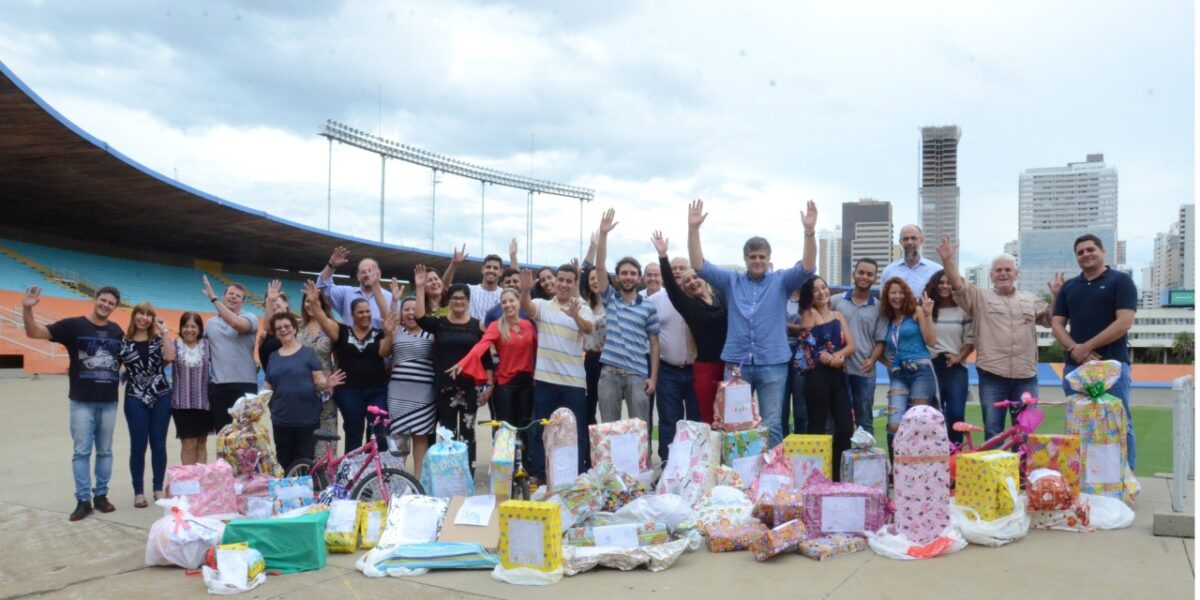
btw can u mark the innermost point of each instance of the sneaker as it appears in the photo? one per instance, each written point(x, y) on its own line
point(82, 510)
point(102, 504)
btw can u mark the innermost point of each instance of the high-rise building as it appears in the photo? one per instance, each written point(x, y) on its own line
point(1013, 248)
point(1119, 255)
point(866, 233)
point(1187, 244)
point(1057, 205)
point(979, 276)
point(1148, 294)
point(1173, 265)
point(939, 192)
point(829, 255)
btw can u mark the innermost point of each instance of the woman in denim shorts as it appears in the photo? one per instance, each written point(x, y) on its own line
point(910, 332)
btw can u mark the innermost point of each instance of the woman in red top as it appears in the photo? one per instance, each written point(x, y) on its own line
point(515, 341)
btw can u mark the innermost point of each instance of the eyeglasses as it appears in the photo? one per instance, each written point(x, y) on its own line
point(458, 298)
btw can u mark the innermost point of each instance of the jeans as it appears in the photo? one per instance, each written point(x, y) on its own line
point(825, 390)
point(952, 388)
point(514, 405)
point(862, 400)
point(92, 425)
point(906, 385)
point(770, 384)
point(676, 399)
point(591, 368)
point(147, 424)
point(1121, 389)
point(799, 405)
point(706, 378)
point(993, 389)
point(353, 406)
point(616, 386)
point(548, 397)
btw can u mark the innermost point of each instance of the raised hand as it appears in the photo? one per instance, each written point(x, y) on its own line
point(208, 291)
point(420, 276)
point(339, 257)
point(696, 214)
point(606, 222)
point(273, 289)
point(809, 217)
point(512, 247)
point(310, 290)
point(459, 255)
point(1055, 285)
point(526, 281)
point(946, 249)
point(162, 327)
point(572, 307)
point(33, 295)
point(926, 304)
point(397, 288)
point(660, 242)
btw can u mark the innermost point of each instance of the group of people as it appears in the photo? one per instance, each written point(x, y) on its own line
point(604, 345)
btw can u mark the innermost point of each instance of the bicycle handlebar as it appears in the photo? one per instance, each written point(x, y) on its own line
point(375, 410)
point(1027, 399)
point(495, 423)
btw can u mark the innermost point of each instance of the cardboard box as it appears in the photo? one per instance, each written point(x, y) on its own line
point(807, 452)
point(982, 482)
point(531, 535)
point(487, 536)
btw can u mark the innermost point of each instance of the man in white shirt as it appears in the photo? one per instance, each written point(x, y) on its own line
point(675, 395)
point(486, 294)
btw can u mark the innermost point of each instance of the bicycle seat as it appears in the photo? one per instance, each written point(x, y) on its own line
point(326, 435)
point(964, 427)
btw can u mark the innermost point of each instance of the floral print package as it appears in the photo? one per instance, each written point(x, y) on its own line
point(779, 508)
point(742, 451)
point(445, 472)
point(723, 505)
point(249, 430)
point(782, 538)
point(922, 475)
point(623, 444)
point(842, 507)
point(646, 533)
point(691, 469)
point(209, 488)
point(1057, 452)
point(734, 537)
point(1098, 418)
point(1076, 518)
point(1048, 490)
point(290, 492)
point(561, 440)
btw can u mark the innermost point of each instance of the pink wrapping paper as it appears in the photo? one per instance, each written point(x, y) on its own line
point(922, 475)
point(209, 488)
point(775, 474)
point(846, 502)
point(719, 407)
point(692, 477)
point(602, 435)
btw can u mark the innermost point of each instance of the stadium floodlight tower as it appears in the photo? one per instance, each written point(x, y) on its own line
point(386, 149)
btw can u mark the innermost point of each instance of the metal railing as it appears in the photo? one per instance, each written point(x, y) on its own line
point(1184, 458)
point(12, 330)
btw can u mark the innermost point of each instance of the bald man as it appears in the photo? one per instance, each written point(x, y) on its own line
point(913, 268)
point(341, 297)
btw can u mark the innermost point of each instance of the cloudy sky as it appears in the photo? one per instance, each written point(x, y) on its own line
point(650, 103)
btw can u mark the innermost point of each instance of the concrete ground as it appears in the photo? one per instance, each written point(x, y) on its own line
point(44, 555)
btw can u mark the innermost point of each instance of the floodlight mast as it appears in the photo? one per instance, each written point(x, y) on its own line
point(386, 149)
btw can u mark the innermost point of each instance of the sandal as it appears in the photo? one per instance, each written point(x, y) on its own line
point(158, 495)
point(139, 501)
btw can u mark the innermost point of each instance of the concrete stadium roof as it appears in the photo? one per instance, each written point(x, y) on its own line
point(58, 180)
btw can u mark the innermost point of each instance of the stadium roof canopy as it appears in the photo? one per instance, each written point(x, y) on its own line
point(57, 180)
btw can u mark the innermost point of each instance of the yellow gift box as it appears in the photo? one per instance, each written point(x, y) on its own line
point(802, 449)
point(531, 535)
point(981, 482)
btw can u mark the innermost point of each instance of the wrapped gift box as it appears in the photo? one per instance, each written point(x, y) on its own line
point(809, 453)
point(983, 482)
point(209, 488)
point(865, 466)
point(921, 473)
point(290, 492)
point(775, 474)
point(1099, 419)
point(691, 470)
point(842, 507)
point(743, 450)
point(561, 440)
point(625, 535)
point(778, 508)
point(832, 546)
point(623, 444)
point(287, 545)
point(1057, 452)
point(730, 537)
point(778, 540)
point(531, 535)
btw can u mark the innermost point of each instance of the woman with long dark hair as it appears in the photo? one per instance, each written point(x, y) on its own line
point(145, 352)
point(312, 335)
point(823, 345)
point(593, 343)
point(955, 342)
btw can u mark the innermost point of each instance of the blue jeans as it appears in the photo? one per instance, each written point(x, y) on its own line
point(906, 385)
point(862, 400)
point(147, 425)
point(798, 405)
point(952, 389)
point(353, 406)
point(993, 389)
point(548, 397)
point(676, 399)
point(92, 425)
point(770, 383)
point(1121, 389)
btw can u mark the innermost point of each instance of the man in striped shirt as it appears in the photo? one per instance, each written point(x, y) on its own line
point(559, 379)
point(631, 352)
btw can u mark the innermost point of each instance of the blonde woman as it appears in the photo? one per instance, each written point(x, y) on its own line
point(145, 354)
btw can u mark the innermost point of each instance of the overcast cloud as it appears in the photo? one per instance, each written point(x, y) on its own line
point(650, 103)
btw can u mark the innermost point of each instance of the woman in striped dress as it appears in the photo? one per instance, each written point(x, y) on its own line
point(411, 401)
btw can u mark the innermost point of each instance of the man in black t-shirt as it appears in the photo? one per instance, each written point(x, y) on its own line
point(92, 344)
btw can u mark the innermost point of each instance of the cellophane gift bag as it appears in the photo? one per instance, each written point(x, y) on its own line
point(1057, 452)
point(921, 472)
point(209, 488)
point(842, 507)
point(691, 469)
point(775, 474)
point(623, 444)
point(561, 440)
point(445, 472)
point(734, 407)
point(250, 428)
point(863, 463)
point(500, 472)
point(1099, 419)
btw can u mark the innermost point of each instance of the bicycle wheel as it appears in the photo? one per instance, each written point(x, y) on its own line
point(304, 466)
point(397, 482)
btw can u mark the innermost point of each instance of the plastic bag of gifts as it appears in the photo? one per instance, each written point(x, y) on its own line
point(863, 463)
point(341, 531)
point(180, 537)
point(500, 472)
point(290, 493)
point(780, 507)
point(1099, 419)
point(691, 468)
point(561, 440)
point(1075, 518)
point(445, 472)
point(209, 488)
point(842, 507)
point(623, 444)
point(617, 488)
point(412, 519)
point(742, 451)
point(1057, 452)
point(774, 474)
point(370, 521)
point(779, 539)
point(921, 471)
point(657, 557)
point(1048, 490)
point(723, 505)
point(734, 408)
point(249, 429)
point(809, 454)
point(235, 568)
point(832, 546)
point(579, 501)
point(989, 510)
point(251, 486)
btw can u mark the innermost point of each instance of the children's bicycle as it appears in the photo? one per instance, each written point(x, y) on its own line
point(366, 485)
point(1014, 439)
point(521, 478)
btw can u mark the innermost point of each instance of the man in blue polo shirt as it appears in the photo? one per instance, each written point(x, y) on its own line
point(630, 357)
point(757, 338)
point(1092, 317)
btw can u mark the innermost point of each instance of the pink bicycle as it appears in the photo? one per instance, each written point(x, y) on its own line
point(380, 483)
point(1014, 439)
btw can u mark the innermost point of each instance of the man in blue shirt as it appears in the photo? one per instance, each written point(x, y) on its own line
point(913, 268)
point(342, 297)
point(757, 338)
point(1092, 317)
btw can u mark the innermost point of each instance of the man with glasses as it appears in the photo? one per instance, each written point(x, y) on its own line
point(913, 268)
